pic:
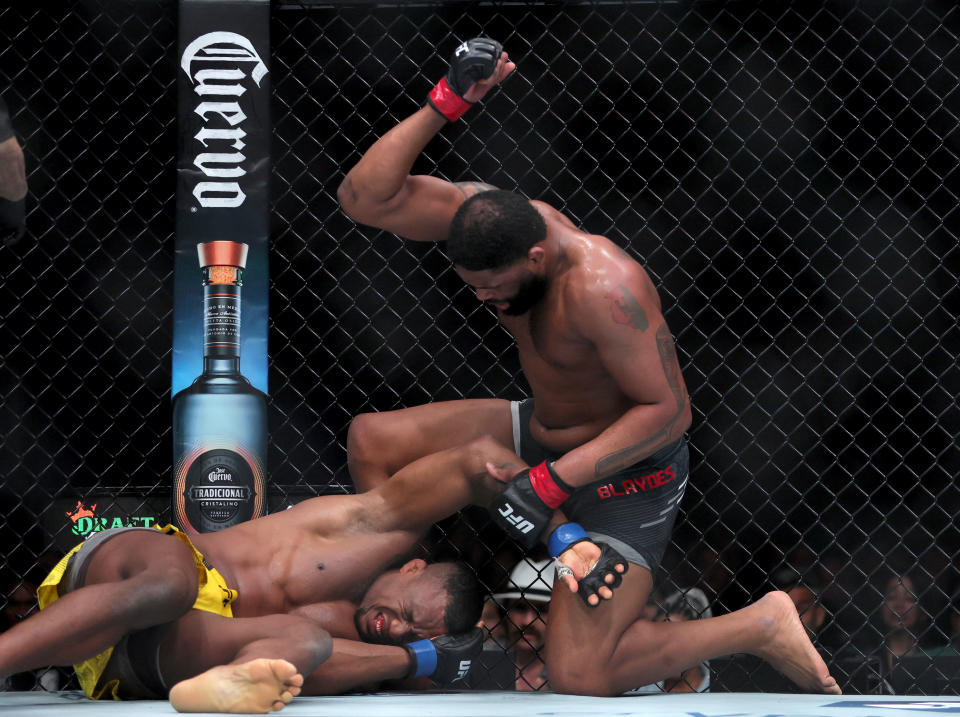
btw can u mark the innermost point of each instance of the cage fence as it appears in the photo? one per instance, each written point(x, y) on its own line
point(787, 173)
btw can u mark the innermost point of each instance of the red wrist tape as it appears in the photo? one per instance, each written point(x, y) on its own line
point(447, 102)
point(546, 487)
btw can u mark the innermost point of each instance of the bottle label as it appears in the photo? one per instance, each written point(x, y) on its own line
point(217, 489)
point(221, 320)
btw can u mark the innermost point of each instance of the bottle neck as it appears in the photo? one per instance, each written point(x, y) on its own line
point(221, 366)
point(221, 322)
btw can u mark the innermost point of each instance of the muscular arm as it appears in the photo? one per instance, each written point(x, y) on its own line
point(436, 486)
point(380, 191)
point(636, 348)
point(354, 665)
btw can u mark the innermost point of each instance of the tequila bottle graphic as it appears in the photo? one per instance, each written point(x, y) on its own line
point(220, 420)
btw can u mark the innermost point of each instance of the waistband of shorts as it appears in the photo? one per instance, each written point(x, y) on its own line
point(627, 551)
point(662, 455)
point(75, 572)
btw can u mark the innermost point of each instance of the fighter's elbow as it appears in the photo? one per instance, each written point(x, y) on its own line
point(348, 198)
point(684, 416)
point(362, 204)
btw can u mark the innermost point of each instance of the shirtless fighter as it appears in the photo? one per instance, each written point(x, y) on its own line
point(271, 598)
point(604, 430)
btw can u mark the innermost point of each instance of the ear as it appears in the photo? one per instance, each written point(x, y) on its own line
point(536, 256)
point(413, 566)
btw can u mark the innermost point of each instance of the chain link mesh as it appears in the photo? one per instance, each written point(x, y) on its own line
point(786, 172)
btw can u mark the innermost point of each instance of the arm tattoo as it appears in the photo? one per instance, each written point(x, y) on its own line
point(671, 365)
point(626, 457)
point(625, 309)
point(468, 189)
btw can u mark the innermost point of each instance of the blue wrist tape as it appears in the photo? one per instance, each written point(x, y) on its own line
point(564, 536)
point(425, 655)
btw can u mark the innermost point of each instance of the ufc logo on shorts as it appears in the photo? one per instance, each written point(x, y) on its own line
point(518, 521)
point(461, 49)
point(463, 669)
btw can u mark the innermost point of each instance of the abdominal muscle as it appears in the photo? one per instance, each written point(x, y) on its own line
point(563, 426)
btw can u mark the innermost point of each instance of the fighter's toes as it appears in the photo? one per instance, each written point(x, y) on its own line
point(830, 687)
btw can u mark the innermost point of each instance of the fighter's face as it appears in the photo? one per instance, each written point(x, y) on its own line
point(402, 606)
point(513, 291)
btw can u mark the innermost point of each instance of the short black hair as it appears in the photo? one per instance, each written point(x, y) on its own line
point(466, 598)
point(493, 229)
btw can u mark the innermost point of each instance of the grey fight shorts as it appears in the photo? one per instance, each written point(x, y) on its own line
point(633, 510)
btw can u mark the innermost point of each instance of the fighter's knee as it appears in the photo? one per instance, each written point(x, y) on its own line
point(319, 641)
point(584, 680)
point(160, 595)
point(362, 433)
point(307, 634)
point(483, 449)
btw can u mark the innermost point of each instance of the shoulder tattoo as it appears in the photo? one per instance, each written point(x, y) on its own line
point(625, 309)
point(468, 189)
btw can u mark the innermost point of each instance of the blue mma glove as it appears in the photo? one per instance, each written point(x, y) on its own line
point(446, 658)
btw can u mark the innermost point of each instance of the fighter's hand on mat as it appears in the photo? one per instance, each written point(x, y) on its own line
point(447, 658)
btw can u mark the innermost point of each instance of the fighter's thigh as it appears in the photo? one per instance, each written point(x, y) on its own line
point(576, 632)
point(397, 438)
point(146, 554)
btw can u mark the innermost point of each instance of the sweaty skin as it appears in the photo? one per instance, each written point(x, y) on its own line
point(603, 369)
point(326, 563)
point(595, 348)
point(321, 556)
point(598, 356)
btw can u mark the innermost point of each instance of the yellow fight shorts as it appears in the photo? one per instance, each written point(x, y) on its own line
point(213, 596)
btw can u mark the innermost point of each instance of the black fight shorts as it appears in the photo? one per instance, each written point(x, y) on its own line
point(632, 510)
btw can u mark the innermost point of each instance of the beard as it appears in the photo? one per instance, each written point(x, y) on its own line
point(527, 296)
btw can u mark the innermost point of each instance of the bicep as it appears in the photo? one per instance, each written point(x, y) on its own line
point(422, 210)
point(329, 515)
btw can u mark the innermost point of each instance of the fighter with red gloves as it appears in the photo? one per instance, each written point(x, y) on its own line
point(602, 435)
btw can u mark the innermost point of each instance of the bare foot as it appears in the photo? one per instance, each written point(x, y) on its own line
point(254, 687)
point(790, 650)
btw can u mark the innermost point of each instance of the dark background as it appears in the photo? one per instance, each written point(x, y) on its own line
point(787, 172)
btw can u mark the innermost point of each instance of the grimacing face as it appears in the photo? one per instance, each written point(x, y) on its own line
point(402, 606)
